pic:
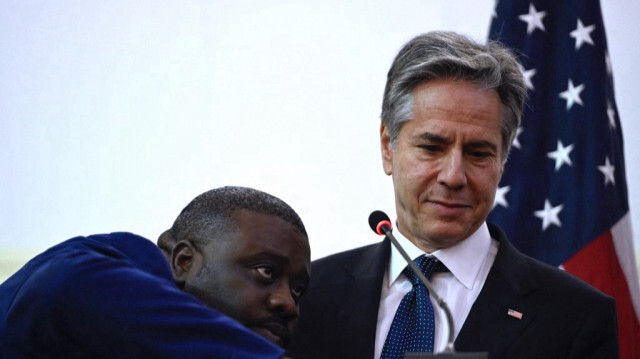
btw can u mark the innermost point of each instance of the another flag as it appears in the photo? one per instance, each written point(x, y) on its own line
point(563, 196)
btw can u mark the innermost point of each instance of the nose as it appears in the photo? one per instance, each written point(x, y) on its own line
point(282, 302)
point(452, 172)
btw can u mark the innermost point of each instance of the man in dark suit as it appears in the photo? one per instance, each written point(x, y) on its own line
point(450, 112)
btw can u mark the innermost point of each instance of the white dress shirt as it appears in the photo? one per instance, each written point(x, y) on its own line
point(468, 261)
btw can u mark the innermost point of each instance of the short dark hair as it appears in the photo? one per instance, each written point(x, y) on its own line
point(214, 211)
point(448, 55)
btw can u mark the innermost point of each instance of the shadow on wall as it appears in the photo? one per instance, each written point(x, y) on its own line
point(13, 259)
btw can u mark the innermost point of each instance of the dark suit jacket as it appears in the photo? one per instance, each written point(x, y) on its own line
point(563, 317)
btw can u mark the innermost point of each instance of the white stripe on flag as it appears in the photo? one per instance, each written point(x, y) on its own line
point(622, 234)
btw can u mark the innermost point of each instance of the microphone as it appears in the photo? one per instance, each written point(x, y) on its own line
point(381, 224)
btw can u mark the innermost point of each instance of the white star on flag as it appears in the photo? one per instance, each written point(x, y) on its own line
point(582, 34)
point(533, 19)
point(527, 74)
point(572, 94)
point(516, 142)
point(561, 155)
point(549, 215)
point(501, 197)
point(607, 170)
point(611, 113)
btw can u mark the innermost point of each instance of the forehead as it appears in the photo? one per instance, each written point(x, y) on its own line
point(253, 233)
point(459, 107)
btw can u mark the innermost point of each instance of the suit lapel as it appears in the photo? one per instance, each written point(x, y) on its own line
point(493, 323)
point(361, 305)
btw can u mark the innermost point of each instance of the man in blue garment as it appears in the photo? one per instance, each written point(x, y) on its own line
point(238, 250)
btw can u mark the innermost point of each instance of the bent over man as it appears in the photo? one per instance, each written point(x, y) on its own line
point(240, 258)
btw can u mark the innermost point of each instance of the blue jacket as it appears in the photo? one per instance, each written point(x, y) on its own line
point(113, 296)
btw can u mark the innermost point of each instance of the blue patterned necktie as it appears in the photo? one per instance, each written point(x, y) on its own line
point(412, 329)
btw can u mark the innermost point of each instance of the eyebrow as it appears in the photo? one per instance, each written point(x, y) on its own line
point(438, 139)
point(271, 255)
point(483, 144)
point(432, 137)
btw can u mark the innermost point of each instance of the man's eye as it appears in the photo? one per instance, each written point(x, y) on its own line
point(297, 291)
point(481, 154)
point(265, 271)
point(430, 148)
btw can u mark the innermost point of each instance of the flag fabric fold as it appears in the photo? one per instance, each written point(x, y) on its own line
point(563, 196)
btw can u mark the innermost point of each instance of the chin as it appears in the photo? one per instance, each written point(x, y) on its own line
point(446, 236)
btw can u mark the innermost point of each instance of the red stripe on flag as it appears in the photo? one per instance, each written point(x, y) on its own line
point(598, 264)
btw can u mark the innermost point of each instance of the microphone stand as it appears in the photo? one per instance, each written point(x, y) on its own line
point(443, 305)
point(449, 351)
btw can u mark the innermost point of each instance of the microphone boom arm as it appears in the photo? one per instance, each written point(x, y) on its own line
point(427, 284)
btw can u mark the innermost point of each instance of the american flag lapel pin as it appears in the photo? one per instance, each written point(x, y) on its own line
point(514, 313)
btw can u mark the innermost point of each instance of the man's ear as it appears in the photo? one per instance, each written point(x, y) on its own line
point(387, 151)
point(166, 243)
point(184, 260)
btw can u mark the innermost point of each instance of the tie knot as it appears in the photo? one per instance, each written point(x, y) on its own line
point(428, 266)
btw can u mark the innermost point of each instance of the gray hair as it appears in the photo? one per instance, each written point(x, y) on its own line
point(448, 55)
point(214, 211)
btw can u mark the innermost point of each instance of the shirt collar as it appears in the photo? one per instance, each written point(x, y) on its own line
point(463, 259)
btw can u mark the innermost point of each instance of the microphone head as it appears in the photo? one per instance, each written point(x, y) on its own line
point(379, 222)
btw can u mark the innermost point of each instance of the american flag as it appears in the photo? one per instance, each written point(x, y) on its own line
point(563, 195)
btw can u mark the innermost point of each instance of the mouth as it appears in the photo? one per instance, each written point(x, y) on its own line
point(449, 208)
point(275, 332)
